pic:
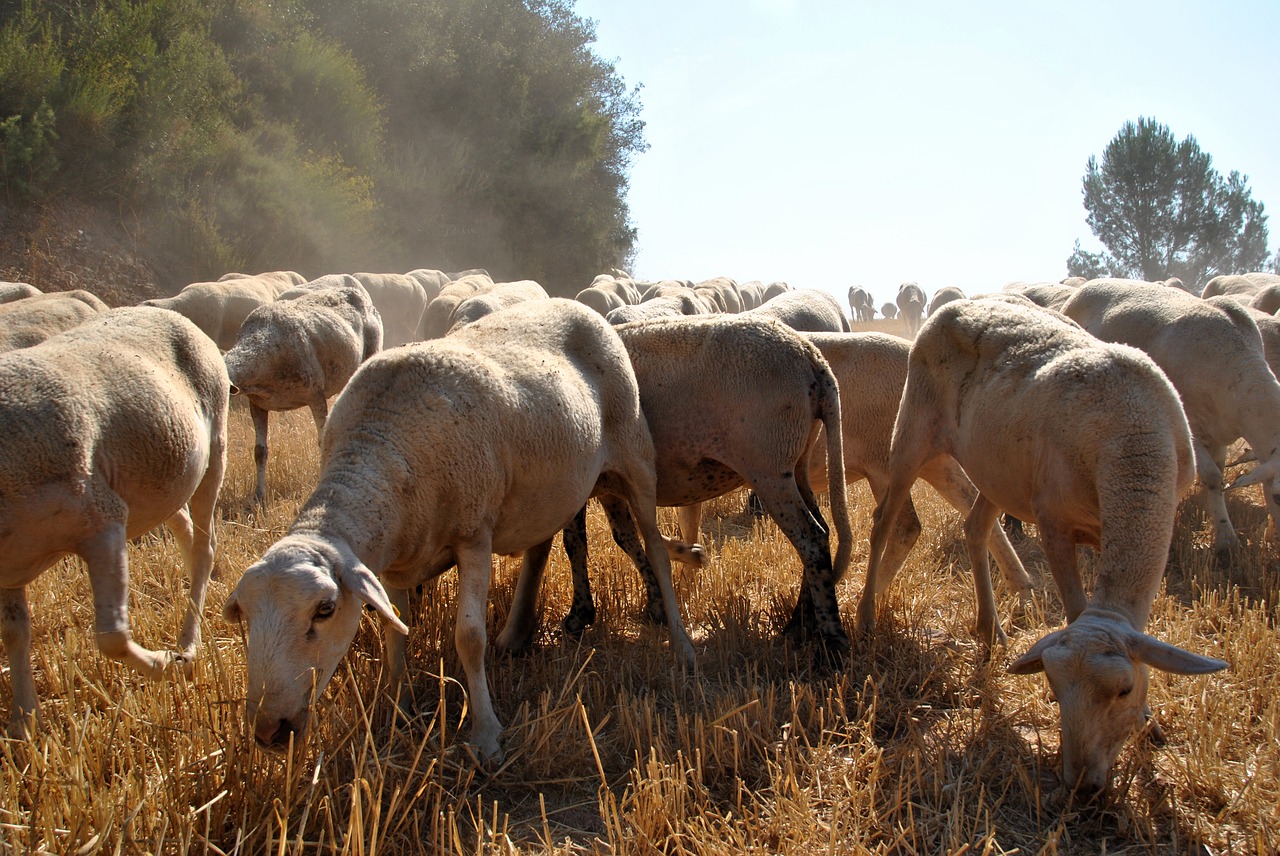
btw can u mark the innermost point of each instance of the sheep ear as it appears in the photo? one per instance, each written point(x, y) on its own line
point(1171, 658)
point(231, 609)
point(364, 583)
point(1033, 661)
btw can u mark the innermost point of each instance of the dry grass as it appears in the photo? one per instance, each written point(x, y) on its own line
point(916, 745)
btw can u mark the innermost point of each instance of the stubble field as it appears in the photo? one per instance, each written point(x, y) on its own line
point(916, 744)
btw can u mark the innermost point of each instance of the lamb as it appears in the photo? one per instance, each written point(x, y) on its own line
point(11, 291)
point(112, 428)
point(1213, 354)
point(437, 319)
point(300, 351)
point(943, 296)
point(1087, 439)
point(503, 295)
point(487, 441)
point(860, 304)
point(805, 310)
point(732, 400)
point(28, 322)
point(220, 308)
point(910, 303)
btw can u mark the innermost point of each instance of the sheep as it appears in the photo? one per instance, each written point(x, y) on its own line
point(502, 296)
point(871, 370)
point(943, 296)
point(606, 293)
point(11, 291)
point(805, 310)
point(752, 294)
point(219, 308)
point(860, 304)
point(669, 302)
point(437, 318)
point(731, 400)
point(28, 322)
point(300, 351)
point(1267, 299)
point(720, 292)
point(1242, 287)
point(112, 428)
point(910, 302)
point(1087, 439)
point(1212, 352)
point(442, 453)
point(889, 311)
point(773, 289)
point(1048, 295)
point(400, 300)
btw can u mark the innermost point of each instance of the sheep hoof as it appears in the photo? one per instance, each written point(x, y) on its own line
point(577, 621)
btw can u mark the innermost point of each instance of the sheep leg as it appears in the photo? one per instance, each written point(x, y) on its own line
point(475, 569)
point(199, 540)
point(105, 555)
point(949, 480)
point(1209, 470)
point(15, 633)
point(689, 519)
point(582, 613)
point(1060, 550)
point(320, 414)
point(522, 621)
point(782, 499)
point(977, 529)
point(259, 417)
point(1269, 492)
point(623, 527)
point(902, 537)
point(884, 523)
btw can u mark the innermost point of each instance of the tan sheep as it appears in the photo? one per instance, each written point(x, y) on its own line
point(1088, 440)
point(442, 453)
point(807, 310)
point(113, 428)
point(911, 303)
point(11, 291)
point(219, 308)
point(300, 351)
point(28, 322)
point(503, 295)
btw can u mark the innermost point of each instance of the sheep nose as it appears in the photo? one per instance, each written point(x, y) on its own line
point(274, 735)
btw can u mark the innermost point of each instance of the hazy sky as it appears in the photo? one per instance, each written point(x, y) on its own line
point(834, 143)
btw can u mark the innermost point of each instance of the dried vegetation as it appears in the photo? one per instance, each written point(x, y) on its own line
point(915, 745)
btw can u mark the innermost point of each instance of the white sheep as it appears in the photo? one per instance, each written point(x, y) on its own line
point(910, 302)
point(943, 296)
point(28, 322)
point(300, 351)
point(112, 428)
point(720, 292)
point(1212, 352)
point(401, 299)
point(606, 293)
point(1049, 295)
point(889, 311)
point(219, 308)
point(11, 291)
point(807, 310)
point(733, 399)
point(1242, 287)
point(441, 453)
point(666, 301)
point(502, 296)
point(1088, 440)
point(437, 319)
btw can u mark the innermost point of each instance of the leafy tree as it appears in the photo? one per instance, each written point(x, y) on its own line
point(1161, 209)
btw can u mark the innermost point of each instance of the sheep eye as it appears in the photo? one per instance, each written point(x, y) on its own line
point(325, 610)
point(1124, 693)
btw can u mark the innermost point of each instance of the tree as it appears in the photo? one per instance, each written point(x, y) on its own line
point(1161, 209)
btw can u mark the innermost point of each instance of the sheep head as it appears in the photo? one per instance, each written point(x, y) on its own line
point(301, 606)
point(1097, 668)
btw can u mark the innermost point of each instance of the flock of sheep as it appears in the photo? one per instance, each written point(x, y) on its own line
point(1086, 408)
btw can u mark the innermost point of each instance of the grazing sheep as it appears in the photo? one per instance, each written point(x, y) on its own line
point(503, 295)
point(487, 441)
point(910, 302)
point(28, 322)
point(438, 317)
point(889, 311)
point(11, 291)
point(860, 304)
point(1213, 354)
point(943, 296)
point(300, 351)
point(219, 308)
point(400, 300)
point(112, 428)
point(807, 310)
point(1088, 440)
point(732, 400)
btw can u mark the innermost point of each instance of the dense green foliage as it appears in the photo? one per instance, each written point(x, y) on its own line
point(325, 135)
point(1161, 209)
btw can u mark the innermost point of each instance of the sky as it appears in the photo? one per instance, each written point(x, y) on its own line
point(830, 144)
